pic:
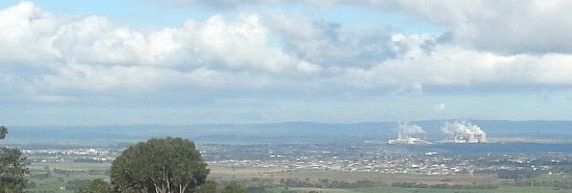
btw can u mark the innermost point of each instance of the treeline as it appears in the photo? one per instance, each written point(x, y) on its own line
point(443, 185)
point(259, 185)
point(514, 174)
point(325, 183)
point(556, 183)
point(533, 178)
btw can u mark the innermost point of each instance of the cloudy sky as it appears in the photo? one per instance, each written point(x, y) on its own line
point(104, 62)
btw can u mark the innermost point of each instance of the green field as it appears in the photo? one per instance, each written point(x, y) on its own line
point(429, 190)
point(54, 177)
point(239, 173)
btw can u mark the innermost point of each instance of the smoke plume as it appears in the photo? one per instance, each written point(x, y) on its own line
point(464, 132)
point(410, 129)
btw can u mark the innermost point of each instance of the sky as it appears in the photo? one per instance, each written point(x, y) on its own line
point(181, 62)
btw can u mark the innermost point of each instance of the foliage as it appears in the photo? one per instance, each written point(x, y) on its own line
point(3, 132)
point(12, 170)
point(209, 187)
point(75, 185)
point(96, 186)
point(234, 188)
point(159, 165)
point(325, 183)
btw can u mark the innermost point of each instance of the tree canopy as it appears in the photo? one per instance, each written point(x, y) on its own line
point(159, 165)
point(3, 132)
point(12, 170)
point(96, 186)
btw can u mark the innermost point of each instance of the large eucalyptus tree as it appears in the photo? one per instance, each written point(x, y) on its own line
point(171, 165)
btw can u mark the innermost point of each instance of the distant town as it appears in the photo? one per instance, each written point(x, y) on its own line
point(364, 157)
point(447, 154)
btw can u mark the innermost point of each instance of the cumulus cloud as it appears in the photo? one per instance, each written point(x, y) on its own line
point(94, 54)
point(329, 44)
point(455, 66)
point(91, 77)
point(232, 3)
point(23, 35)
point(507, 27)
point(243, 43)
point(276, 52)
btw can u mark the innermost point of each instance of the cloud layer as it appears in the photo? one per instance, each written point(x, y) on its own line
point(48, 56)
point(509, 27)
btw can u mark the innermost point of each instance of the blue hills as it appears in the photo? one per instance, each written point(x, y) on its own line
point(287, 132)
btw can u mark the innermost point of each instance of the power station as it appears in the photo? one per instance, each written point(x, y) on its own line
point(457, 132)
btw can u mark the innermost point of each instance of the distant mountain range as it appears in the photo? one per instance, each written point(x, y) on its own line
point(287, 132)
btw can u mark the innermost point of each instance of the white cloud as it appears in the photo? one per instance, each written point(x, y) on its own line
point(242, 44)
point(329, 44)
point(508, 27)
point(230, 3)
point(267, 52)
point(94, 54)
point(449, 65)
point(524, 26)
point(23, 35)
point(440, 107)
point(91, 77)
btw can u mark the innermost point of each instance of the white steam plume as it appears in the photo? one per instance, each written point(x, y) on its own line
point(410, 129)
point(465, 132)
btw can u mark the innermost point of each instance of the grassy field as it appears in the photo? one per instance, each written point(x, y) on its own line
point(429, 190)
point(57, 179)
point(53, 177)
point(72, 166)
point(238, 173)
